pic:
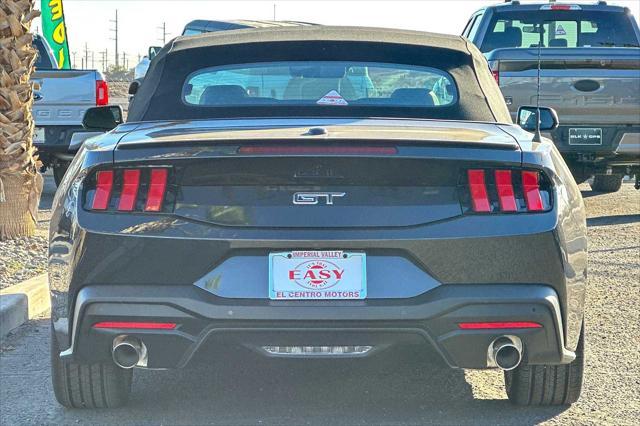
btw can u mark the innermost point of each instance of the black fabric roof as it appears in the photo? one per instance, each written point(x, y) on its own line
point(320, 33)
point(160, 95)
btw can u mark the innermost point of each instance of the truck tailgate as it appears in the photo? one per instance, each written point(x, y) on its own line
point(63, 96)
point(585, 85)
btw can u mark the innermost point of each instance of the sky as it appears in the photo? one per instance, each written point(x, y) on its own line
point(140, 21)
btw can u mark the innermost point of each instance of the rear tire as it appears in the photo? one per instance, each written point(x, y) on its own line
point(547, 384)
point(99, 385)
point(606, 183)
point(59, 170)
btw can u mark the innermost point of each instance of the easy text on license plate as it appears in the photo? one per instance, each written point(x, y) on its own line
point(317, 275)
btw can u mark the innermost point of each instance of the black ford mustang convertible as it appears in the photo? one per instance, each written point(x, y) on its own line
point(317, 192)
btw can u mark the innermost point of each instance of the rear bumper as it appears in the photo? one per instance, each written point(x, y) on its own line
point(431, 319)
point(620, 146)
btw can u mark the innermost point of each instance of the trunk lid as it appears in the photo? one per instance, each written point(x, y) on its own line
point(291, 174)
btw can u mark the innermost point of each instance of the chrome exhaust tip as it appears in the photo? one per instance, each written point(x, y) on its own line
point(505, 353)
point(129, 352)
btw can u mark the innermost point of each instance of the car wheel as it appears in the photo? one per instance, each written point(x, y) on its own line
point(59, 170)
point(99, 385)
point(547, 384)
point(606, 183)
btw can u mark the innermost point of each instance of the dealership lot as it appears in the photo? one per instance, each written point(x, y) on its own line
point(403, 386)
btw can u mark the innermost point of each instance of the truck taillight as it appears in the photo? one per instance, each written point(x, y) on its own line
point(148, 189)
point(505, 191)
point(494, 67)
point(102, 93)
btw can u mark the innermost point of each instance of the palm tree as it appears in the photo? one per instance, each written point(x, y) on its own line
point(20, 181)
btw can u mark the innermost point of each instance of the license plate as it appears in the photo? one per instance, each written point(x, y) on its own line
point(38, 135)
point(317, 275)
point(585, 136)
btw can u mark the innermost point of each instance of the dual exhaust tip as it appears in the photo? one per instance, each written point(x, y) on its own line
point(129, 352)
point(505, 352)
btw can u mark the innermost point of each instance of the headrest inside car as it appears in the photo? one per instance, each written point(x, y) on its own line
point(223, 94)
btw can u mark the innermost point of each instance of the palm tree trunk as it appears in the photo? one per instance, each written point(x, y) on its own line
point(20, 181)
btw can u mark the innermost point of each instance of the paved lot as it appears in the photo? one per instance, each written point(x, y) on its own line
point(397, 387)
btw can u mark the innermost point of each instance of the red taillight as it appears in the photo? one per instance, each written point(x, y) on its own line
point(102, 93)
point(104, 184)
point(494, 67)
point(317, 150)
point(130, 190)
point(157, 189)
point(136, 325)
point(504, 187)
point(478, 189)
point(506, 191)
point(531, 190)
point(130, 185)
point(497, 325)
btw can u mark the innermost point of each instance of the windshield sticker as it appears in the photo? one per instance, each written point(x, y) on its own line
point(332, 98)
point(560, 30)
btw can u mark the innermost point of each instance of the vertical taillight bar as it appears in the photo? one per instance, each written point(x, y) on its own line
point(104, 184)
point(157, 189)
point(531, 190)
point(130, 185)
point(102, 93)
point(478, 190)
point(504, 187)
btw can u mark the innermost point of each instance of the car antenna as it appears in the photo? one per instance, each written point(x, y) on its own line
point(537, 137)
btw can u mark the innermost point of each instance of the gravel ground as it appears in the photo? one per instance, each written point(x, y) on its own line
point(396, 387)
point(24, 258)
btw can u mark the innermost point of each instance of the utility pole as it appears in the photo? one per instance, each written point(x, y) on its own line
point(164, 33)
point(274, 11)
point(86, 56)
point(115, 30)
point(124, 60)
point(104, 60)
point(93, 62)
point(74, 59)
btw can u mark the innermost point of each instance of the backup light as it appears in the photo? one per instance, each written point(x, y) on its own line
point(317, 350)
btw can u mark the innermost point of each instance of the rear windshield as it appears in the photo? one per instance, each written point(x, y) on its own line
point(527, 29)
point(319, 83)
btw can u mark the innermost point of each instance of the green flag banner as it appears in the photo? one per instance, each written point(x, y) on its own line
point(55, 31)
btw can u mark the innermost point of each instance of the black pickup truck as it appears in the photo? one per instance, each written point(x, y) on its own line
point(589, 72)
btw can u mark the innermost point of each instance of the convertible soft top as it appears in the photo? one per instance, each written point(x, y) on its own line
point(160, 96)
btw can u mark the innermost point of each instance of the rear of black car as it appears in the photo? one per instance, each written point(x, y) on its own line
point(318, 237)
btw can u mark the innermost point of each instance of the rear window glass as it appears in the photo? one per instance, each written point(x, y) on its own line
point(319, 83)
point(559, 29)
